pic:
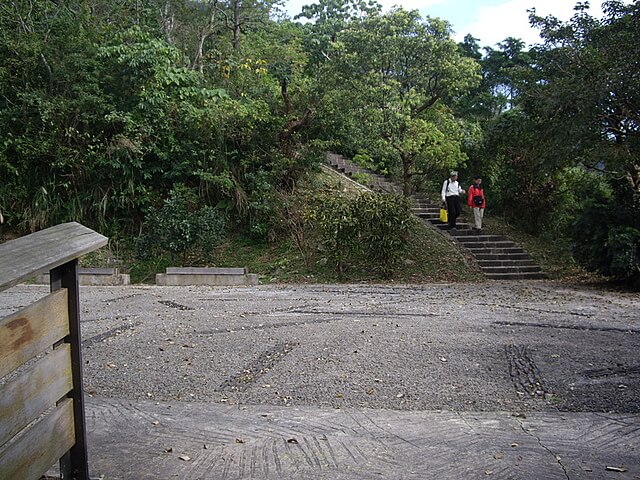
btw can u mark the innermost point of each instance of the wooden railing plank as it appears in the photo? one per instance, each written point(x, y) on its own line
point(38, 448)
point(42, 251)
point(26, 333)
point(24, 399)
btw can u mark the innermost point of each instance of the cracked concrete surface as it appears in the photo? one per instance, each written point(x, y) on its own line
point(556, 457)
point(359, 381)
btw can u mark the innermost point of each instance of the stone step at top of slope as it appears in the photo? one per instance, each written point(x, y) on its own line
point(516, 276)
point(477, 244)
point(497, 251)
point(501, 256)
point(507, 263)
point(512, 269)
point(474, 237)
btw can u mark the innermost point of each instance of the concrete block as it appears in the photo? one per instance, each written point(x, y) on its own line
point(191, 279)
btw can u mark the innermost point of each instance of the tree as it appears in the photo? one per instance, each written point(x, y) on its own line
point(328, 19)
point(588, 91)
point(388, 75)
point(586, 99)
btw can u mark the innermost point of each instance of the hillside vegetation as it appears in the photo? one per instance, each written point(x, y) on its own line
point(179, 128)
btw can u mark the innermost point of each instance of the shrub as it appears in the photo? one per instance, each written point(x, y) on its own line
point(606, 236)
point(180, 226)
point(367, 230)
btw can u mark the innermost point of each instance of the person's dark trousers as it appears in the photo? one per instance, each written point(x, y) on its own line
point(453, 210)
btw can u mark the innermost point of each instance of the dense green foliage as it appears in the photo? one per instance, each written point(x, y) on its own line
point(365, 231)
point(570, 102)
point(180, 227)
point(609, 242)
point(103, 110)
point(201, 117)
point(386, 79)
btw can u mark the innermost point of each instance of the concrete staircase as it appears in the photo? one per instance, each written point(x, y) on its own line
point(375, 181)
point(498, 257)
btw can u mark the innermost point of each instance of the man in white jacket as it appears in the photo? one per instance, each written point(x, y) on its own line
point(451, 192)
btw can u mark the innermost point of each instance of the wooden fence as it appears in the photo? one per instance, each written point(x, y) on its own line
point(41, 398)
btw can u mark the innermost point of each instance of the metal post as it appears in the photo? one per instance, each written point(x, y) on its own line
point(74, 464)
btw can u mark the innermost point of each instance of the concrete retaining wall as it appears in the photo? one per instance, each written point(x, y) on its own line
point(176, 276)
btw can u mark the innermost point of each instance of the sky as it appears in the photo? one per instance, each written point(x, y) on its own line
point(491, 21)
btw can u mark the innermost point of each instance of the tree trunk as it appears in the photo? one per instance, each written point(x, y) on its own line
point(292, 127)
point(167, 21)
point(407, 174)
point(203, 34)
point(237, 9)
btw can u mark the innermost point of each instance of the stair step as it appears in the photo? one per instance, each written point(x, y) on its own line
point(506, 263)
point(460, 226)
point(502, 256)
point(428, 216)
point(473, 237)
point(425, 209)
point(498, 251)
point(512, 269)
point(516, 276)
point(431, 211)
point(473, 245)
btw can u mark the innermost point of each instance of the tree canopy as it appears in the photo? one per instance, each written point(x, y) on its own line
point(111, 111)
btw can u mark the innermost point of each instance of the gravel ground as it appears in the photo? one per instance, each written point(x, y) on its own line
point(535, 346)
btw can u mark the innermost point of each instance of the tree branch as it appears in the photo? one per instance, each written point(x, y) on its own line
point(48, 67)
point(428, 104)
point(294, 125)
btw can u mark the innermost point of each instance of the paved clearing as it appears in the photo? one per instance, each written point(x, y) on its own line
point(497, 380)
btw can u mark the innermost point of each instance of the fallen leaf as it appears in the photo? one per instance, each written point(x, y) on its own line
point(616, 469)
point(498, 456)
point(168, 449)
point(292, 440)
point(155, 422)
point(515, 445)
point(185, 458)
point(238, 440)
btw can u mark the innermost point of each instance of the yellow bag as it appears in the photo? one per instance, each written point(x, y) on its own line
point(443, 215)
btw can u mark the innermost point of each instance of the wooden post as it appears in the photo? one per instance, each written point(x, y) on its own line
point(74, 464)
point(55, 320)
